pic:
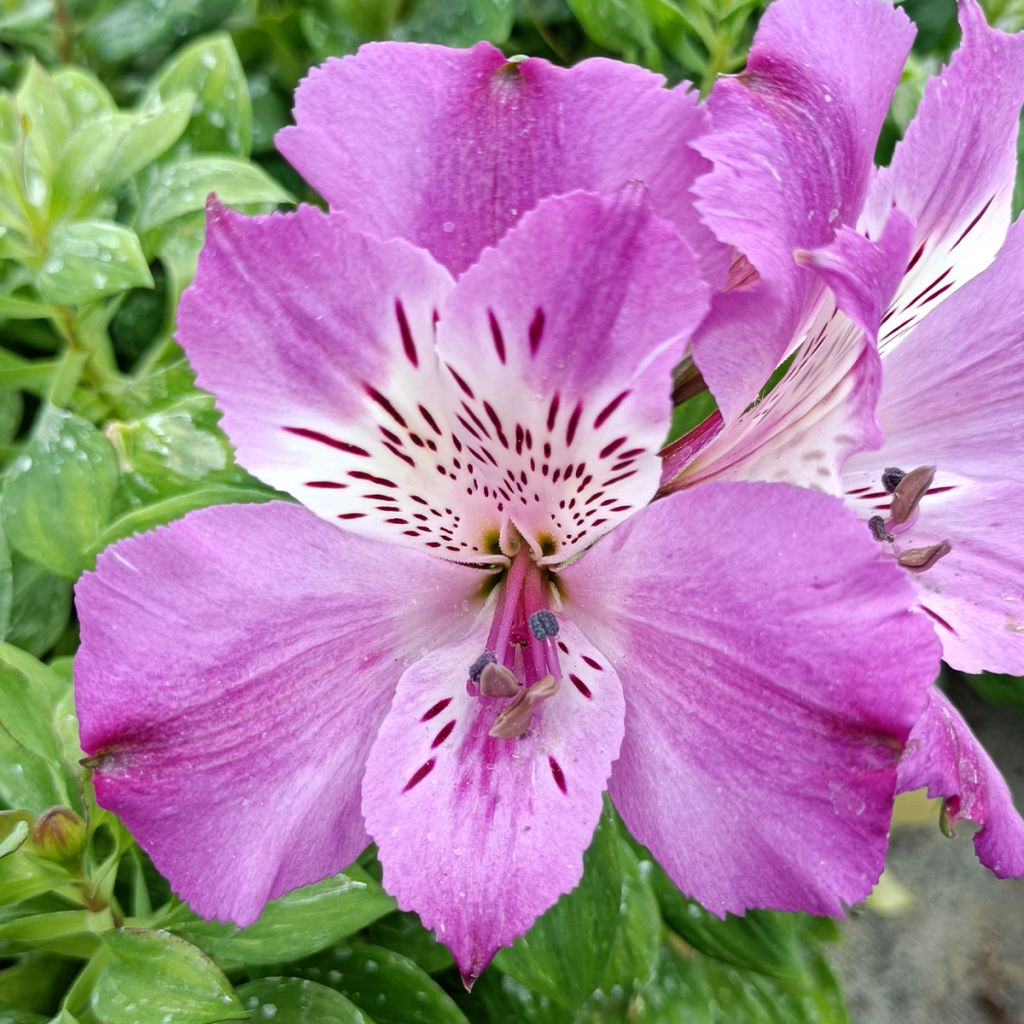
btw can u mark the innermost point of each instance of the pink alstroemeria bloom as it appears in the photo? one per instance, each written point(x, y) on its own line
point(267, 688)
point(941, 291)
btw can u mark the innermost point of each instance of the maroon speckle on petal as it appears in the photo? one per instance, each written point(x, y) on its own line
point(574, 422)
point(436, 709)
point(970, 227)
point(333, 442)
point(358, 474)
point(603, 415)
point(385, 404)
point(431, 422)
point(496, 335)
point(419, 775)
point(352, 515)
point(552, 416)
point(467, 390)
point(938, 618)
point(580, 685)
point(592, 663)
point(446, 731)
point(556, 772)
point(611, 447)
point(328, 484)
point(403, 329)
point(536, 331)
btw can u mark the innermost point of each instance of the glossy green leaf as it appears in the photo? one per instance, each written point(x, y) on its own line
point(41, 607)
point(150, 974)
point(615, 909)
point(183, 186)
point(168, 509)
point(110, 149)
point(764, 941)
point(46, 123)
point(6, 584)
point(298, 924)
point(693, 989)
point(222, 115)
point(294, 1001)
point(998, 689)
point(127, 28)
point(28, 692)
point(58, 494)
point(28, 780)
point(460, 23)
point(32, 982)
point(12, 838)
point(384, 984)
point(403, 933)
point(622, 26)
point(70, 932)
point(23, 877)
point(15, 1015)
point(84, 95)
point(89, 259)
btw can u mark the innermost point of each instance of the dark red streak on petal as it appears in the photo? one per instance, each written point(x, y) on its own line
point(556, 772)
point(403, 329)
point(419, 775)
point(580, 685)
point(434, 711)
point(333, 442)
point(446, 731)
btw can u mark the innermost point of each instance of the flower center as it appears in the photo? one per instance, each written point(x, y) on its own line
point(907, 490)
point(520, 664)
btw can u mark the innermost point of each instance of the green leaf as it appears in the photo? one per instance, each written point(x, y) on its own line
point(151, 974)
point(183, 186)
point(168, 509)
point(997, 689)
point(131, 28)
point(613, 907)
point(89, 259)
point(84, 95)
point(41, 608)
point(222, 115)
point(458, 24)
point(622, 26)
point(294, 1001)
point(296, 925)
point(15, 1015)
point(33, 981)
point(28, 693)
point(404, 934)
point(110, 149)
point(385, 984)
point(47, 123)
point(58, 494)
point(11, 842)
point(693, 989)
point(28, 780)
point(764, 941)
point(70, 932)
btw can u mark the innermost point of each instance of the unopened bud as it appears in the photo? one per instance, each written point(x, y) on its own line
point(498, 681)
point(59, 835)
point(908, 494)
point(922, 559)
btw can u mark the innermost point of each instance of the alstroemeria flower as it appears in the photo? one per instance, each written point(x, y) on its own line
point(423, 660)
point(922, 434)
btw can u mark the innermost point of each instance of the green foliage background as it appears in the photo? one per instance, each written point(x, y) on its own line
point(117, 119)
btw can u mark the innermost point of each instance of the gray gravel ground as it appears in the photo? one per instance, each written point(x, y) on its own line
point(956, 955)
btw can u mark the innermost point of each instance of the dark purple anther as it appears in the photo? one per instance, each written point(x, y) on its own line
point(543, 624)
point(891, 477)
point(480, 664)
point(877, 526)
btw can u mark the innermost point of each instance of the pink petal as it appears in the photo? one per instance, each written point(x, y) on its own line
point(954, 170)
point(478, 835)
point(448, 148)
point(772, 673)
point(792, 146)
point(338, 399)
point(944, 755)
point(234, 668)
point(951, 398)
point(823, 409)
point(562, 340)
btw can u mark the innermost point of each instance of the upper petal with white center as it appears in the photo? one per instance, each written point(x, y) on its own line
point(542, 405)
